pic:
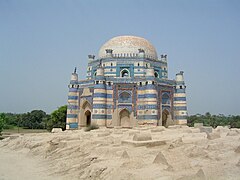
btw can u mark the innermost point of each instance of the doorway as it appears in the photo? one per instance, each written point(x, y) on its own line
point(125, 118)
point(165, 114)
point(88, 117)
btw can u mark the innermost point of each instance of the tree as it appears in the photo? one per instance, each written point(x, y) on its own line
point(57, 118)
point(2, 121)
point(33, 120)
point(234, 121)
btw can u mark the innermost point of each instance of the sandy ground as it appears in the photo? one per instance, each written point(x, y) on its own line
point(184, 153)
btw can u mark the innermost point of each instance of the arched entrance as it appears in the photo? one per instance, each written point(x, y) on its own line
point(85, 114)
point(88, 117)
point(125, 73)
point(165, 115)
point(125, 118)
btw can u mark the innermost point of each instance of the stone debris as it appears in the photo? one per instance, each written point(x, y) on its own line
point(198, 125)
point(238, 164)
point(237, 150)
point(160, 159)
point(159, 129)
point(104, 134)
point(125, 155)
point(151, 143)
point(142, 137)
point(232, 133)
point(212, 136)
point(56, 130)
point(169, 154)
point(206, 129)
point(222, 129)
point(132, 133)
point(198, 176)
point(174, 127)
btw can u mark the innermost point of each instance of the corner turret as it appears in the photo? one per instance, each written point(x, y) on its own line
point(72, 109)
point(180, 105)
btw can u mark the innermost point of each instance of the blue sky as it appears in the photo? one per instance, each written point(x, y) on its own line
point(42, 41)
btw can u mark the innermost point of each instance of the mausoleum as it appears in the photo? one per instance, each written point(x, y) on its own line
point(126, 85)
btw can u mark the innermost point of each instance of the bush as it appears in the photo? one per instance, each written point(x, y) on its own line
point(91, 127)
point(57, 119)
point(2, 121)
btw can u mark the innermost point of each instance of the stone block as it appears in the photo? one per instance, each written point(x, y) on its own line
point(56, 130)
point(132, 133)
point(158, 129)
point(237, 150)
point(125, 155)
point(142, 137)
point(198, 125)
point(212, 136)
point(151, 143)
point(160, 159)
point(174, 127)
point(232, 133)
point(104, 134)
point(206, 129)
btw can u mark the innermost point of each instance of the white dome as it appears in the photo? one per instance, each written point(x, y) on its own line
point(128, 46)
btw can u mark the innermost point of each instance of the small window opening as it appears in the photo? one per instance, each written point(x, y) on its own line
point(97, 82)
point(181, 87)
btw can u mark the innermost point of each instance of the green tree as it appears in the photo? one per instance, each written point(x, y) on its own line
point(2, 121)
point(57, 118)
point(33, 119)
point(234, 121)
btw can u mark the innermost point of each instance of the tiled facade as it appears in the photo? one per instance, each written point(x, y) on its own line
point(126, 86)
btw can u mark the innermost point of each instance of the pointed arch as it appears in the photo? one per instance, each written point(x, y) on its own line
point(85, 104)
point(85, 113)
point(124, 115)
point(165, 114)
point(125, 97)
point(125, 73)
point(165, 98)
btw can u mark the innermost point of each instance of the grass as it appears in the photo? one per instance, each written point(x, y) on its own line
point(22, 130)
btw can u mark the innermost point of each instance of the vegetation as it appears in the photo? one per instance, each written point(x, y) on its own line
point(36, 119)
point(57, 119)
point(2, 121)
point(215, 120)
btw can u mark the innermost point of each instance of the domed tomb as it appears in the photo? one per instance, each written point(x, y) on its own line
point(128, 46)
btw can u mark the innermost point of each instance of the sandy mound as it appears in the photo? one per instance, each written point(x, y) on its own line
point(186, 153)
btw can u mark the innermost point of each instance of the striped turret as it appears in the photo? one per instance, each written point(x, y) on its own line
point(180, 105)
point(147, 100)
point(99, 99)
point(72, 110)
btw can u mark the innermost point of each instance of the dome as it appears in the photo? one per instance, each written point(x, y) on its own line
point(128, 46)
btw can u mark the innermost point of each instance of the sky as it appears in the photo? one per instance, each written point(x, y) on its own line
point(41, 42)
